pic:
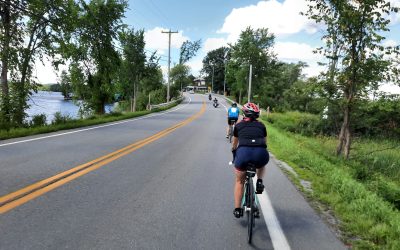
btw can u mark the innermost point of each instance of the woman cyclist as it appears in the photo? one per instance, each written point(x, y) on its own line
point(249, 145)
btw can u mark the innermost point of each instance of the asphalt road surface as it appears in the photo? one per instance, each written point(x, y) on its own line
point(157, 182)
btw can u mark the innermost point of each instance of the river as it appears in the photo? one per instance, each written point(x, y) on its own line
point(48, 103)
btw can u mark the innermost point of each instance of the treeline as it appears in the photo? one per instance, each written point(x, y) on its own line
point(106, 59)
point(345, 96)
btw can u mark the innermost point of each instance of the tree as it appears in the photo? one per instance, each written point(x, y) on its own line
point(133, 64)
point(353, 44)
point(65, 85)
point(180, 77)
point(93, 52)
point(188, 50)
point(214, 64)
point(29, 31)
point(253, 47)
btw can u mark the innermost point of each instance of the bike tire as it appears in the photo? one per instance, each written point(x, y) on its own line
point(250, 213)
point(230, 134)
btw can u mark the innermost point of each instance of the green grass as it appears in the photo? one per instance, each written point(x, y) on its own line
point(75, 123)
point(369, 220)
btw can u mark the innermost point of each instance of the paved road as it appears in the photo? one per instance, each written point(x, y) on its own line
point(172, 191)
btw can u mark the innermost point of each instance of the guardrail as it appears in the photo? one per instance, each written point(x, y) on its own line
point(151, 106)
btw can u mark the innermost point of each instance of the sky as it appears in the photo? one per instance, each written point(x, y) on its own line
point(219, 22)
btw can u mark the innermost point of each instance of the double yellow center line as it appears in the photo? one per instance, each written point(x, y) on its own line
point(19, 197)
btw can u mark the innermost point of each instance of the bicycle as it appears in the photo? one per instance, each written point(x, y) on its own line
point(250, 200)
point(231, 127)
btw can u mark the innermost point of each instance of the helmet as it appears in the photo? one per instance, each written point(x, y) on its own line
point(251, 110)
point(234, 104)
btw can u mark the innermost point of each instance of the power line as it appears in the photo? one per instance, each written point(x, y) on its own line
point(160, 12)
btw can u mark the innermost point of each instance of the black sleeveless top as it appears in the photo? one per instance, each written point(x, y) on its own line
point(251, 133)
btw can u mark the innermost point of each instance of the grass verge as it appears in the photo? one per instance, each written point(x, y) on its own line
point(367, 220)
point(76, 123)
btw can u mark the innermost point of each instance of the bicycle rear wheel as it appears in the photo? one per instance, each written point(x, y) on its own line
point(250, 212)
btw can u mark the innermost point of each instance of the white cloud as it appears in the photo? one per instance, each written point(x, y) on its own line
point(395, 17)
point(390, 42)
point(390, 88)
point(196, 64)
point(45, 73)
point(214, 43)
point(280, 18)
point(292, 51)
point(156, 40)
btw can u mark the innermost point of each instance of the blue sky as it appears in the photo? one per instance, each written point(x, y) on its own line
point(219, 22)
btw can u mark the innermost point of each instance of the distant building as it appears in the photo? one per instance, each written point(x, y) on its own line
point(199, 84)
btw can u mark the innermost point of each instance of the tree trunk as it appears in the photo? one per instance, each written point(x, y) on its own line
point(134, 96)
point(5, 101)
point(240, 96)
point(345, 135)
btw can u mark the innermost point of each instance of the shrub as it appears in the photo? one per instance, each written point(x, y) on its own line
point(296, 122)
point(60, 118)
point(38, 120)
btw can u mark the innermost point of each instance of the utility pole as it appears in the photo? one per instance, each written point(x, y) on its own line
point(251, 69)
point(169, 56)
point(212, 81)
point(225, 59)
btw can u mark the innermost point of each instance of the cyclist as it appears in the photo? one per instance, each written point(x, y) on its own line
point(233, 116)
point(209, 97)
point(215, 102)
point(249, 145)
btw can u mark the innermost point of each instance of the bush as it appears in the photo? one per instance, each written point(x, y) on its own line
point(38, 120)
point(60, 118)
point(296, 122)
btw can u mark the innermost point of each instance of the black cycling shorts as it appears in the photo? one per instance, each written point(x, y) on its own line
point(232, 120)
point(259, 156)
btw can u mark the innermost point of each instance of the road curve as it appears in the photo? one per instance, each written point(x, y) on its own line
point(171, 192)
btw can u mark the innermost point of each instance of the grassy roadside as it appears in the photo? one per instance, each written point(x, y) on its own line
point(367, 220)
point(76, 123)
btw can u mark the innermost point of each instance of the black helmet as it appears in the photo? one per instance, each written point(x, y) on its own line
point(234, 104)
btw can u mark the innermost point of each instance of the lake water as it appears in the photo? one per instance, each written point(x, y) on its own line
point(49, 103)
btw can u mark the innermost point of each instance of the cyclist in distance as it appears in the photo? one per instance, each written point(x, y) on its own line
point(249, 145)
point(215, 102)
point(233, 115)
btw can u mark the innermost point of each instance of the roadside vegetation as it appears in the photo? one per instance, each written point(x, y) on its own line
point(363, 192)
point(38, 124)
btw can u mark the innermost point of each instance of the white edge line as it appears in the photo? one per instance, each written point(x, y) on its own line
point(225, 107)
point(278, 238)
point(101, 126)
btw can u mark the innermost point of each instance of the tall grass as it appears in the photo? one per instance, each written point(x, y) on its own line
point(366, 206)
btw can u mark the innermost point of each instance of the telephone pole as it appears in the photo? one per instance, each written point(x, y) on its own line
point(250, 75)
point(169, 56)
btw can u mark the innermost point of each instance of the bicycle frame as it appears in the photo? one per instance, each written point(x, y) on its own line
point(249, 200)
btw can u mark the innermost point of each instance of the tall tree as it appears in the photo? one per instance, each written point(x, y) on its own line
point(30, 31)
point(253, 47)
point(359, 60)
point(93, 49)
point(133, 64)
point(10, 27)
point(214, 67)
point(188, 50)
